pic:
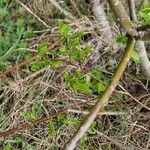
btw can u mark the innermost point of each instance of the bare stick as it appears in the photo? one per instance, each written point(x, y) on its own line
point(103, 100)
point(109, 113)
point(65, 12)
point(30, 124)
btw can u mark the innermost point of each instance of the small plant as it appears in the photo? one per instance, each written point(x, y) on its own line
point(73, 52)
point(77, 80)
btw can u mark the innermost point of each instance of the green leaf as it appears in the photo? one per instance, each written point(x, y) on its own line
point(92, 128)
point(42, 48)
point(9, 52)
point(84, 87)
point(62, 119)
point(79, 74)
point(96, 73)
point(52, 63)
point(121, 39)
point(82, 142)
point(28, 33)
point(62, 50)
point(135, 57)
point(68, 77)
point(21, 10)
point(7, 147)
point(64, 29)
point(36, 110)
point(74, 85)
point(144, 14)
point(81, 55)
point(74, 55)
point(2, 1)
point(3, 13)
point(36, 66)
point(72, 44)
point(20, 22)
point(100, 87)
point(76, 35)
point(26, 115)
point(87, 49)
point(72, 121)
point(51, 126)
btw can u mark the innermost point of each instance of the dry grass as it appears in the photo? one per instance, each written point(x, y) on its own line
point(44, 92)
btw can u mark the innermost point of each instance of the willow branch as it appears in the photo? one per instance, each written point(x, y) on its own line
point(124, 20)
point(103, 100)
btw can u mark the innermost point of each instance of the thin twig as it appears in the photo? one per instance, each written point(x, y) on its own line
point(101, 113)
point(127, 93)
point(31, 12)
point(30, 124)
point(15, 67)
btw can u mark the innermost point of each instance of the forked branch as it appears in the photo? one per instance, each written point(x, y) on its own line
point(140, 46)
point(124, 20)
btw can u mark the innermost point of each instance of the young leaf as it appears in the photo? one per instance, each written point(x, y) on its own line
point(7, 147)
point(82, 142)
point(135, 57)
point(79, 74)
point(76, 35)
point(64, 29)
point(84, 87)
point(62, 50)
point(42, 48)
point(36, 66)
point(26, 115)
point(52, 63)
point(100, 87)
point(96, 73)
point(51, 126)
point(73, 43)
point(121, 39)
